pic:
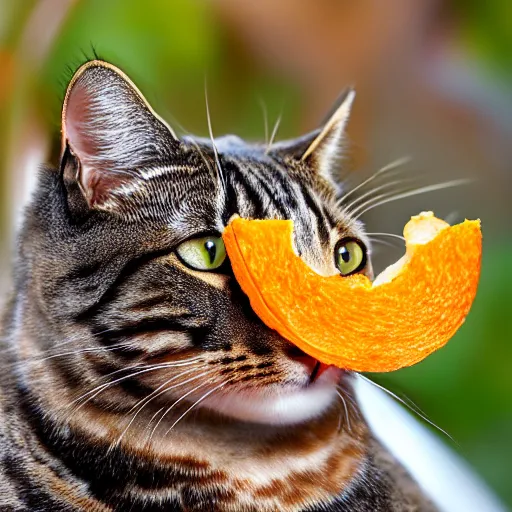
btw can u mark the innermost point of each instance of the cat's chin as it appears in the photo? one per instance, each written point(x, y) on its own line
point(274, 406)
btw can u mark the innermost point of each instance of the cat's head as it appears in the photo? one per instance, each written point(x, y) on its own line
point(128, 275)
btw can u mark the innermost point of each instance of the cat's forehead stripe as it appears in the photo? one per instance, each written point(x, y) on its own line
point(266, 190)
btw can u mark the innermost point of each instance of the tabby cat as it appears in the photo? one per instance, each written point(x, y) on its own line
point(134, 373)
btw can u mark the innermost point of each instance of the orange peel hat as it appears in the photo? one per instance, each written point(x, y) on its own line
point(410, 310)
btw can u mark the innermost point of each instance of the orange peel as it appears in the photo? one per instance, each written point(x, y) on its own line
point(412, 309)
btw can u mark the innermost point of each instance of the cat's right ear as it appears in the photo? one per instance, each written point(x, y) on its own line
point(109, 133)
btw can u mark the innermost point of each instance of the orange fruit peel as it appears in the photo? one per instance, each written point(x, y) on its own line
point(410, 310)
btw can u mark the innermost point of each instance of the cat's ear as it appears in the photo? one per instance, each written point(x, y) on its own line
point(110, 131)
point(321, 149)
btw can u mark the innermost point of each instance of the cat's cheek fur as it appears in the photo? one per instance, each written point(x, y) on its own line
point(279, 406)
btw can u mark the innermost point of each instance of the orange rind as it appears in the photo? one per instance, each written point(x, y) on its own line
point(412, 309)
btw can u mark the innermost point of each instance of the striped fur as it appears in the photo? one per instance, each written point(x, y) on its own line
point(121, 366)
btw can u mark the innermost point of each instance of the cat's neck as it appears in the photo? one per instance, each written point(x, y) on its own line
point(267, 464)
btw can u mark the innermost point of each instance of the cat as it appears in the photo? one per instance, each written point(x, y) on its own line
point(134, 373)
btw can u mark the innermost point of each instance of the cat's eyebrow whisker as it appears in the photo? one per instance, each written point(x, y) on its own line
point(385, 198)
point(358, 200)
point(411, 406)
point(197, 402)
point(265, 118)
point(346, 411)
point(391, 166)
point(204, 159)
point(141, 404)
point(273, 134)
point(210, 131)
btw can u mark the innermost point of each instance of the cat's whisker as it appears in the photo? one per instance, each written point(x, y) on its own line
point(345, 408)
point(385, 198)
point(376, 199)
point(391, 166)
point(145, 369)
point(411, 406)
point(141, 405)
point(155, 391)
point(355, 203)
point(72, 352)
point(273, 134)
point(103, 376)
point(197, 402)
point(99, 389)
point(382, 242)
point(391, 235)
point(205, 160)
point(66, 341)
point(210, 131)
point(169, 409)
point(354, 405)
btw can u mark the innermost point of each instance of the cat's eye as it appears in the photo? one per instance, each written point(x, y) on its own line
point(205, 253)
point(349, 256)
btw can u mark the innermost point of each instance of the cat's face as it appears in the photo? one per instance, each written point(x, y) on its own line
point(126, 258)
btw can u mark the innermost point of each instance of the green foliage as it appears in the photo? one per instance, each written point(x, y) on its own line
point(488, 32)
point(170, 49)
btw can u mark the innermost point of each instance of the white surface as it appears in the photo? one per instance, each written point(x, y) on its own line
point(444, 476)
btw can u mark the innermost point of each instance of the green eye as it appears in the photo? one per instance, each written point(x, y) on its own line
point(205, 253)
point(349, 256)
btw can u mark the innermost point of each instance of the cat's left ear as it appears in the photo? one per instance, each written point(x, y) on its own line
point(321, 149)
point(110, 134)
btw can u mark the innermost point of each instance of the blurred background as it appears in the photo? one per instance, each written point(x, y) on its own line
point(433, 81)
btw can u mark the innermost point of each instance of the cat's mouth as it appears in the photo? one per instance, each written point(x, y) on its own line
point(318, 369)
point(315, 367)
point(280, 404)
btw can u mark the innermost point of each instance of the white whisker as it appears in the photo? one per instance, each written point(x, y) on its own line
point(210, 131)
point(392, 235)
point(197, 402)
point(346, 409)
point(383, 242)
point(204, 159)
point(155, 391)
point(169, 409)
point(73, 352)
point(393, 165)
point(66, 341)
point(273, 135)
point(265, 118)
point(95, 392)
point(357, 201)
point(414, 409)
point(156, 395)
point(380, 200)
